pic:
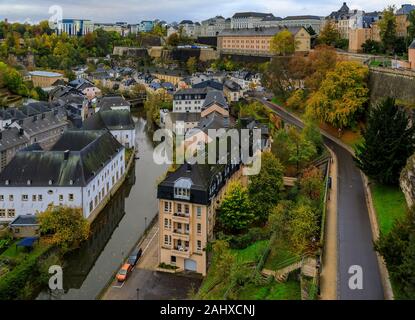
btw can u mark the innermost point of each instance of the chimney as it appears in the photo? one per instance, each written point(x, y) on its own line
point(66, 155)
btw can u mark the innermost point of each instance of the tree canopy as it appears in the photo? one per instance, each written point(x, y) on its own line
point(283, 43)
point(388, 141)
point(342, 94)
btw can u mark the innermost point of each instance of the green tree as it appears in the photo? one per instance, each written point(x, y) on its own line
point(67, 226)
point(235, 213)
point(388, 142)
point(264, 188)
point(398, 249)
point(301, 149)
point(303, 226)
point(329, 35)
point(283, 43)
point(342, 95)
point(411, 27)
point(223, 259)
point(387, 28)
point(311, 183)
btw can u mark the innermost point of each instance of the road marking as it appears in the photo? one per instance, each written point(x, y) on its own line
point(119, 287)
point(151, 240)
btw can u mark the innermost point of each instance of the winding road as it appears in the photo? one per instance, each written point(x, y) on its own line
point(355, 242)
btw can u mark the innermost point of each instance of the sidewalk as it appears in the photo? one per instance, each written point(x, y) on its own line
point(328, 276)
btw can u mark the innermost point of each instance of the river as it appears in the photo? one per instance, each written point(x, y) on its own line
point(117, 228)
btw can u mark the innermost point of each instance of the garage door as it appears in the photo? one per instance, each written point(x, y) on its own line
point(190, 265)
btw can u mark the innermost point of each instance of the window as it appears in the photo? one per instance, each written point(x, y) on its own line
point(25, 197)
point(2, 213)
point(173, 260)
point(34, 198)
point(166, 223)
point(61, 197)
point(71, 197)
point(179, 208)
point(91, 206)
point(11, 213)
point(186, 209)
point(166, 240)
point(167, 206)
point(199, 228)
point(199, 245)
point(39, 197)
point(199, 212)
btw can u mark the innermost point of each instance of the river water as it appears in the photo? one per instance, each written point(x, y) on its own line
point(117, 229)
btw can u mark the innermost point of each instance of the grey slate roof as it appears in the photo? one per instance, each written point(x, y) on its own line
point(217, 97)
point(251, 14)
point(24, 221)
point(304, 17)
point(112, 101)
point(89, 152)
point(209, 84)
point(111, 120)
point(10, 138)
point(258, 31)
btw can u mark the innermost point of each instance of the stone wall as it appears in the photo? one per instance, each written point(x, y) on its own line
point(400, 84)
point(407, 181)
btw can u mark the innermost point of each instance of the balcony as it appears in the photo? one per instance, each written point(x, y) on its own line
point(181, 217)
point(183, 252)
point(181, 234)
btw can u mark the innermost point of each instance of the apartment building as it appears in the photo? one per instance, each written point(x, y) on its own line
point(188, 199)
point(74, 27)
point(189, 100)
point(257, 41)
point(79, 171)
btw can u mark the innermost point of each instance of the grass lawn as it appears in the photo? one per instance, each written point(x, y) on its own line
point(390, 205)
point(289, 290)
point(280, 253)
point(212, 289)
point(20, 253)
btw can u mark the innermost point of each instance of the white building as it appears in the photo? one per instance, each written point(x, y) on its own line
point(189, 100)
point(213, 26)
point(190, 28)
point(248, 20)
point(79, 171)
point(305, 21)
point(75, 27)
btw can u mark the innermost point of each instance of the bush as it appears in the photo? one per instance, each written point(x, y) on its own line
point(251, 236)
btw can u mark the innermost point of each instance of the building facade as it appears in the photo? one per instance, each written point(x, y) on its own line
point(189, 100)
point(187, 213)
point(257, 42)
point(248, 20)
point(79, 171)
point(45, 79)
point(75, 27)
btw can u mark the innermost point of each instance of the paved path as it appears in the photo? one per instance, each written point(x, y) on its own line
point(355, 244)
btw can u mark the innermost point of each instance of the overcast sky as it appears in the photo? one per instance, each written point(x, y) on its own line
point(133, 11)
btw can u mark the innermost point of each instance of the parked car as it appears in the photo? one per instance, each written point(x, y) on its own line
point(135, 256)
point(125, 271)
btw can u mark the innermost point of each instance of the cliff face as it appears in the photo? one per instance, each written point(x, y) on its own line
point(407, 181)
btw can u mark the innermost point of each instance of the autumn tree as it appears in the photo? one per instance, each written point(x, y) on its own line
point(264, 188)
point(388, 141)
point(311, 183)
point(301, 150)
point(322, 60)
point(283, 43)
point(387, 29)
point(66, 226)
point(329, 35)
point(342, 94)
point(191, 65)
point(235, 213)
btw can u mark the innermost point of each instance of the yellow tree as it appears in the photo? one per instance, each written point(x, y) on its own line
point(342, 94)
point(283, 43)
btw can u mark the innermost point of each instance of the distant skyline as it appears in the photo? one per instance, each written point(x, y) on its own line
point(133, 11)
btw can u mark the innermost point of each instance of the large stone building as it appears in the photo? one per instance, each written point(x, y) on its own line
point(306, 21)
point(248, 20)
point(211, 27)
point(188, 199)
point(79, 171)
point(257, 41)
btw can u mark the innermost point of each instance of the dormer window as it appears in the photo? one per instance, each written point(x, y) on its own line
point(182, 188)
point(50, 182)
point(29, 182)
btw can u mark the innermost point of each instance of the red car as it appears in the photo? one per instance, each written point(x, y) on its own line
point(125, 271)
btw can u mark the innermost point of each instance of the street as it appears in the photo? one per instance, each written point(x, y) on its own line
point(355, 243)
